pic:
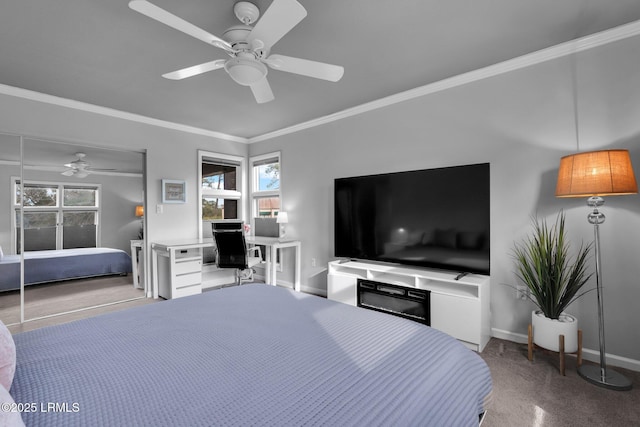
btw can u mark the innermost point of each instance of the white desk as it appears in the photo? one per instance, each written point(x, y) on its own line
point(272, 244)
point(181, 272)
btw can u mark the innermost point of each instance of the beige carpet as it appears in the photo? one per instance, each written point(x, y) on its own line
point(69, 295)
point(535, 394)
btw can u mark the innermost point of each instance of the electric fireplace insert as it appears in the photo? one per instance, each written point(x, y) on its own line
point(400, 301)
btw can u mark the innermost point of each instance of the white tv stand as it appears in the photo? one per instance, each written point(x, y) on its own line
point(459, 308)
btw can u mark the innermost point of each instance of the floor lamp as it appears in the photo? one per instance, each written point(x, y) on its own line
point(595, 174)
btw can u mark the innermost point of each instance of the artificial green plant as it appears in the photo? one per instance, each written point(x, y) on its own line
point(544, 264)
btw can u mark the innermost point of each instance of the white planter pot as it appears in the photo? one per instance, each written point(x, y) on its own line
point(546, 331)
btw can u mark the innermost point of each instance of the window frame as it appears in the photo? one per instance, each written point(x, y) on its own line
point(255, 193)
point(239, 194)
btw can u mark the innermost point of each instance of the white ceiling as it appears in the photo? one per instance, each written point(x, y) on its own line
point(103, 53)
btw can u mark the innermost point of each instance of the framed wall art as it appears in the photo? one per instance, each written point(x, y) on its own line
point(174, 191)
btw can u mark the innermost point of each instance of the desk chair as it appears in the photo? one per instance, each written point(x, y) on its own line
point(233, 253)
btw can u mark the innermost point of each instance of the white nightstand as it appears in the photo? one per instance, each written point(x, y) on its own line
point(137, 263)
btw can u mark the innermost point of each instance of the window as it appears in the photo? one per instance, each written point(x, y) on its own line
point(221, 198)
point(265, 186)
point(222, 187)
point(265, 197)
point(55, 215)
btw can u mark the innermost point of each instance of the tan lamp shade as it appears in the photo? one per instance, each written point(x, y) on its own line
point(139, 210)
point(596, 173)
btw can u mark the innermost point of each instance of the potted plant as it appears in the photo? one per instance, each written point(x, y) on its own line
point(554, 279)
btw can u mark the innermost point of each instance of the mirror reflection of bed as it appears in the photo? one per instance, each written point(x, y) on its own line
point(78, 227)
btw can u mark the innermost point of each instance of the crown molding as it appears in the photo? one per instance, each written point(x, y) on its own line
point(110, 112)
point(558, 51)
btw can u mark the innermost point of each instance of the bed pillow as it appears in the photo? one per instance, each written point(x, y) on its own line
point(10, 417)
point(7, 357)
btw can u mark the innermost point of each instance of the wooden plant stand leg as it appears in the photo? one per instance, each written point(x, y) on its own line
point(579, 362)
point(530, 332)
point(561, 351)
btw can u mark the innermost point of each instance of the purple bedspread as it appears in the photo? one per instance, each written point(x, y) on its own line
point(248, 355)
point(49, 266)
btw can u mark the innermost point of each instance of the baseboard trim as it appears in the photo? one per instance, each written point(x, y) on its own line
point(288, 284)
point(587, 353)
point(313, 291)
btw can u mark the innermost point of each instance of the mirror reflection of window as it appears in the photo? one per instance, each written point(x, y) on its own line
point(53, 222)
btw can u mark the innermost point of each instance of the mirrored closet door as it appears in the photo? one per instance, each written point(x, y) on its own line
point(76, 222)
point(10, 168)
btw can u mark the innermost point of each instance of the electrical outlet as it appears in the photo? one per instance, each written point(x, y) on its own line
point(159, 209)
point(313, 262)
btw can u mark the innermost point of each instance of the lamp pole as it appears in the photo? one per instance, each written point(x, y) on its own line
point(594, 374)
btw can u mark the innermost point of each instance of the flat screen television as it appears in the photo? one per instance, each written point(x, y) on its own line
point(437, 218)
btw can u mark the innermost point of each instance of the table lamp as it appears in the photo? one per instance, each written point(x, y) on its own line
point(282, 219)
point(140, 214)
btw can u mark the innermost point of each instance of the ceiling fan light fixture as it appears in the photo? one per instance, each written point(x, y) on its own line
point(245, 71)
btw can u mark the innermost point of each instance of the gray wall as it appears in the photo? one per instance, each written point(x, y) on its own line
point(521, 123)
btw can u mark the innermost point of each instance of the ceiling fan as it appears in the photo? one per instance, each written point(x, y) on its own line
point(248, 46)
point(80, 168)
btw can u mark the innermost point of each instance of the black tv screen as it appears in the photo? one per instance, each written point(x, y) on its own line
point(436, 218)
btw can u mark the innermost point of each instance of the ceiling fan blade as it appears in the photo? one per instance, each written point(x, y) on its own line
point(262, 91)
point(318, 70)
point(195, 70)
point(277, 21)
point(154, 12)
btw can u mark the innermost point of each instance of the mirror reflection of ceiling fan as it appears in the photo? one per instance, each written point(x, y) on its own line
point(249, 47)
point(80, 168)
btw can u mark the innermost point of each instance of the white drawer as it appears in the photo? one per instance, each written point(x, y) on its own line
point(188, 253)
point(187, 280)
point(186, 291)
point(187, 267)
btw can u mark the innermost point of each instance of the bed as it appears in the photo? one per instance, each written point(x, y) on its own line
point(248, 355)
point(54, 265)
